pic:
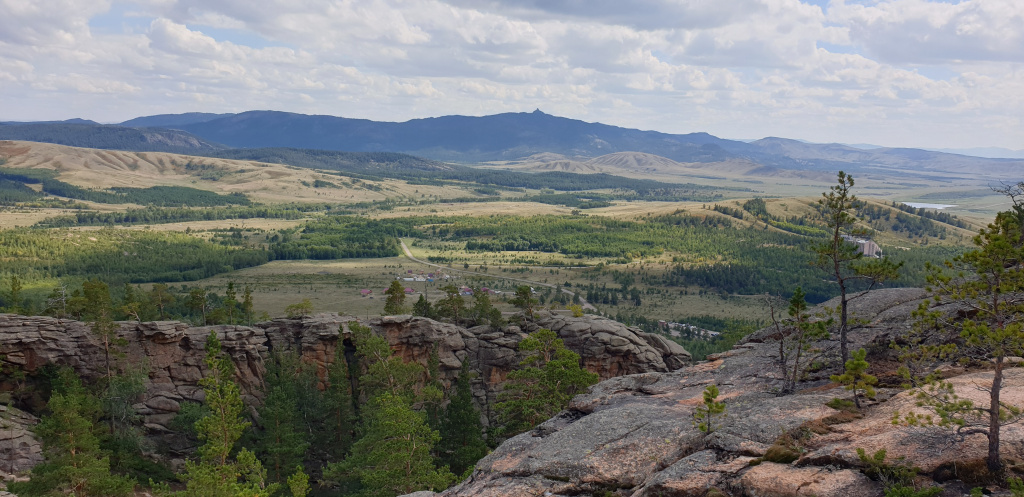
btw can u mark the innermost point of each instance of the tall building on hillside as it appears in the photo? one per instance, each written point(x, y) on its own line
point(865, 246)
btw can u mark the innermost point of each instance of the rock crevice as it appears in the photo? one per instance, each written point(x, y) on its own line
point(172, 353)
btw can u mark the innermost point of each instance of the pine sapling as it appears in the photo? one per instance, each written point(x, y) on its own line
point(708, 417)
point(856, 378)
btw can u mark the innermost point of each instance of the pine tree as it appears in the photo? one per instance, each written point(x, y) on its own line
point(14, 299)
point(338, 399)
point(161, 296)
point(840, 258)
point(298, 483)
point(282, 441)
point(120, 391)
point(198, 303)
point(423, 308)
point(797, 350)
point(393, 454)
point(57, 301)
point(132, 305)
point(99, 313)
point(432, 405)
point(483, 311)
point(988, 285)
point(524, 300)
point(462, 442)
point(452, 305)
point(383, 371)
point(395, 302)
point(707, 417)
point(74, 463)
point(125, 439)
point(550, 376)
point(247, 305)
point(299, 309)
point(216, 474)
point(230, 302)
point(856, 378)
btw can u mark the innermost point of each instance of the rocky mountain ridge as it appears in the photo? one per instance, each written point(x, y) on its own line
point(172, 354)
point(634, 436)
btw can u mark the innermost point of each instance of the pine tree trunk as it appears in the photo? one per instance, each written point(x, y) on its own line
point(843, 304)
point(993, 461)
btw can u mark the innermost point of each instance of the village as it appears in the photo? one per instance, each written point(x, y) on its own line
point(683, 330)
point(429, 280)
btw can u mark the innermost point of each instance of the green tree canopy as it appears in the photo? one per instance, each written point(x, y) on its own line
point(462, 442)
point(549, 377)
point(216, 473)
point(74, 464)
point(395, 302)
point(988, 282)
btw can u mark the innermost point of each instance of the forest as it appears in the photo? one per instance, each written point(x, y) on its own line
point(160, 215)
point(372, 424)
point(379, 165)
point(39, 257)
point(707, 252)
point(368, 422)
point(107, 137)
point(163, 196)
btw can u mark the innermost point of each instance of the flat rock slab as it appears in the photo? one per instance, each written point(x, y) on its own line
point(782, 480)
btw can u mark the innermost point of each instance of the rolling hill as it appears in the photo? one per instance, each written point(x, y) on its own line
point(93, 135)
point(532, 141)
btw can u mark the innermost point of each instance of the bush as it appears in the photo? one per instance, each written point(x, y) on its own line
point(905, 491)
point(896, 476)
point(781, 454)
point(842, 405)
point(300, 309)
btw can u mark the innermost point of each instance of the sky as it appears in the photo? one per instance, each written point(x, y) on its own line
point(915, 73)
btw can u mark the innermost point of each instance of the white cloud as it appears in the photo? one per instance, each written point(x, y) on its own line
point(922, 32)
point(739, 68)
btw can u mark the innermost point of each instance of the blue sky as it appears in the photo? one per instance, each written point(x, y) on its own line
point(920, 73)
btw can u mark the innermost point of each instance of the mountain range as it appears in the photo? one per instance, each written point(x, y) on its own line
point(493, 138)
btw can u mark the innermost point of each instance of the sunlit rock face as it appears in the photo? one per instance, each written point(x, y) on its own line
point(172, 355)
point(634, 435)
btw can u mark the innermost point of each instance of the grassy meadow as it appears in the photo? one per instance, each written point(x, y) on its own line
point(633, 257)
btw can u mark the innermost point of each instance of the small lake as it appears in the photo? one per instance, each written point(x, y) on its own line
point(919, 205)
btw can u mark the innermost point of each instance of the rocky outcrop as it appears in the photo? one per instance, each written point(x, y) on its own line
point(173, 353)
point(612, 348)
point(633, 435)
point(606, 347)
point(19, 448)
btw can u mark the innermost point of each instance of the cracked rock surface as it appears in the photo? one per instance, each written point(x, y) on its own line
point(173, 353)
point(633, 435)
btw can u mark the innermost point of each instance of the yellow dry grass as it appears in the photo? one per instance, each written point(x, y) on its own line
point(476, 209)
point(201, 226)
point(269, 183)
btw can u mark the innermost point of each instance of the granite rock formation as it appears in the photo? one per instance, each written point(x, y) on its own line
point(19, 448)
point(633, 435)
point(173, 353)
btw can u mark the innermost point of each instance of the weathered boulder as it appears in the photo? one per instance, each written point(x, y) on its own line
point(19, 448)
point(693, 475)
point(611, 348)
point(634, 435)
point(781, 480)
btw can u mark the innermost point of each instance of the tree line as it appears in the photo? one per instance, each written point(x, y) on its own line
point(162, 196)
point(369, 424)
